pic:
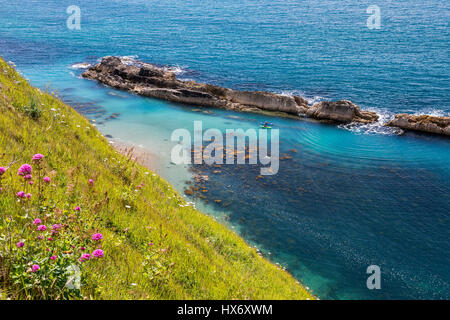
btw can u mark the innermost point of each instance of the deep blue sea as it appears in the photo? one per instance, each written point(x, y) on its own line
point(351, 196)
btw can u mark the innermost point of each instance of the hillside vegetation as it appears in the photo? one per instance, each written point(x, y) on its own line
point(83, 212)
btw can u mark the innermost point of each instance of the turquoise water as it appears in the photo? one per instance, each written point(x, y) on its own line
point(351, 196)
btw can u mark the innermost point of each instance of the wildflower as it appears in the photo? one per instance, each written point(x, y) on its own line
point(150, 244)
point(56, 227)
point(28, 177)
point(77, 208)
point(2, 171)
point(37, 221)
point(31, 183)
point(35, 267)
point(28, 195)
point(85, 257)
point(91, 182)
point(40, 237)
point(24, 170)
point(42, 227)
point(98, 253)
point(50, 239)
point(20, 244)
point(97, 236)
point(53, 257)
point(82, 248)
point(37, 157)
point(21, 194)
point(47, 179)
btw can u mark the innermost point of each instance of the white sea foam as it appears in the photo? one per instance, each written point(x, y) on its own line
point(82, 65)
point(311, 99)
point(377, 127)
point(129, 60)
point(178, 70)
point(433, 112)
point(386, 116)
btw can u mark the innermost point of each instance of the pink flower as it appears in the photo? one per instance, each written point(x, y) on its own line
point(91, 182)
point(40, 237)
point(98, 253)
point(35, 267)
point(28, 177)
point(47, 179)
point(77, 208)
point(37, 221)
point(42, 227)
point(150, 244)
point(21, 194)
point(85, 257)
point(2, 171)
point(24, 170)
point(50, 239)
point(20, 244)
point(53, 257)
point(56, 227)
point(97, 236)
point(82, 248)
point(31, 183)
point(37, 157)
point(28, 195)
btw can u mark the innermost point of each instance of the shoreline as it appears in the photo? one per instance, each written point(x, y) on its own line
point(138, 154)
point(147, 159)
point(156, 205)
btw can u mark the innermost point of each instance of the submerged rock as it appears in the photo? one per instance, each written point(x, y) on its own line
point(423, 123)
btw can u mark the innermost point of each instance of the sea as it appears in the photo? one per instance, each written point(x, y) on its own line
point(345, 197)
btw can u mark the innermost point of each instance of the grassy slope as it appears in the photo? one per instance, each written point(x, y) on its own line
point(209, 261)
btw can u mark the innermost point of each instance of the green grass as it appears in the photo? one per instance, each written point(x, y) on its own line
point(193, 256)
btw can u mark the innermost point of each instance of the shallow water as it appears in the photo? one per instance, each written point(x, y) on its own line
point(351, 196)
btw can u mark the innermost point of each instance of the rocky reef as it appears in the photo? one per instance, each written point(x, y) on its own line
point(423, 123)
point(149, 80)
point(152, 81)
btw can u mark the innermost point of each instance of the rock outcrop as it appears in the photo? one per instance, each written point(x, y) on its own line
point(341, 111)
point(423, 123)
point(152, 81)
point(158, 82)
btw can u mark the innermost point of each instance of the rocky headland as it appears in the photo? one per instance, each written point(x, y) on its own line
point(149, 80)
